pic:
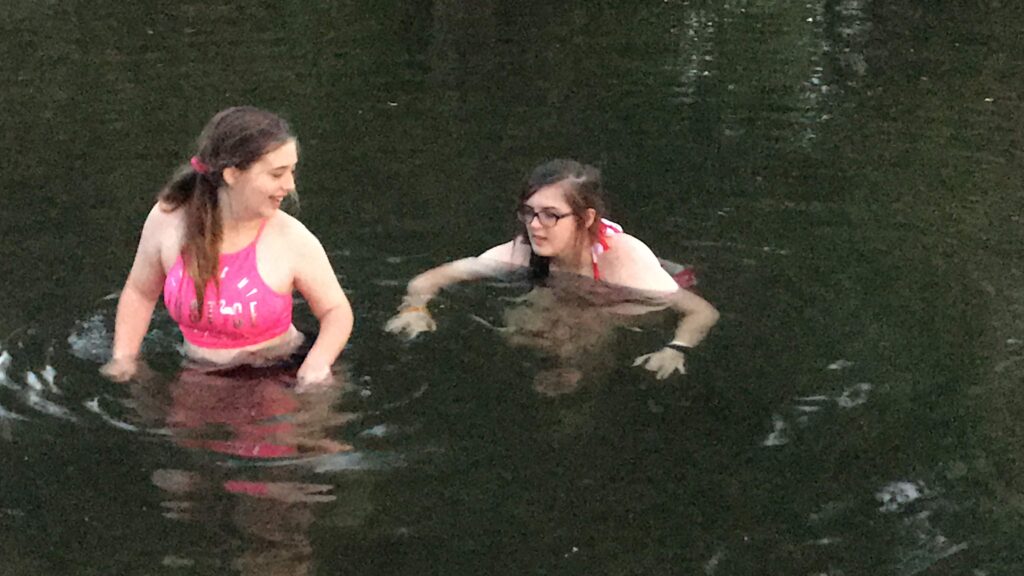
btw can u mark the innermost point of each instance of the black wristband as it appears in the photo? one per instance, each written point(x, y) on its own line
point(678, 347)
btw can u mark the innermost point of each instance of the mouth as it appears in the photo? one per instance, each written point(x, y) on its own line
point(277, 200)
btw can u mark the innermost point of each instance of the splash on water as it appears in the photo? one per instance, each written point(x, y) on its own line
point(854, 395)
point(90, 340)
point(897, 495)
point(779, 435)
point(94, 407)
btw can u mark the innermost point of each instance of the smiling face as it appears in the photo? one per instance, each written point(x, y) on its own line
point(259, 189)
point(564, 239)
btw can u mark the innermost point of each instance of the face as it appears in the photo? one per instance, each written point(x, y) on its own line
point(562, 238)
point(262, 186)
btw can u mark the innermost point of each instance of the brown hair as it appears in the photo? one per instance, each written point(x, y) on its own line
point(584, 191)
point(236, 137)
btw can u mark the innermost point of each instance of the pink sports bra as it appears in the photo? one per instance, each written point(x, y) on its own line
point(243, 312)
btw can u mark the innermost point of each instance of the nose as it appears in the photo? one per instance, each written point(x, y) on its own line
point(290, 181)
point(534, 222)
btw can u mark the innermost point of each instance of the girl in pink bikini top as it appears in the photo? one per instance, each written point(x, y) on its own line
point(239, 310)
point(244, 167)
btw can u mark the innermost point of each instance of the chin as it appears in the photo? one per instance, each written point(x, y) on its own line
point(541, 251)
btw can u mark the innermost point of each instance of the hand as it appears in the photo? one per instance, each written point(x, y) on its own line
point(124, 369)
point(312, 377)
point(663, 362)
point(411, 323)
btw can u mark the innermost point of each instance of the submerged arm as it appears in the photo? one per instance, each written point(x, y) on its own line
point(413, 316)
point(697, 318)
point(638, 267)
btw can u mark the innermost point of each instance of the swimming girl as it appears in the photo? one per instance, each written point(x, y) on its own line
point(564, 230)
point(227, 259)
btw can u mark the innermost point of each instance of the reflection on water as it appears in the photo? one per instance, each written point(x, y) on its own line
point(252, 417)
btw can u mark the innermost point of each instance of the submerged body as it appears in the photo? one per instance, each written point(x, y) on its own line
point(564, 232)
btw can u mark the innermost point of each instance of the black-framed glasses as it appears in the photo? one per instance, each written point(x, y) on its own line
point(547, 218)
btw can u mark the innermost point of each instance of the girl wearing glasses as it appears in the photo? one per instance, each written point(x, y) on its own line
point(561, 211)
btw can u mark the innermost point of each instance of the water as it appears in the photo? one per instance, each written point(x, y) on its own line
point(841, 173)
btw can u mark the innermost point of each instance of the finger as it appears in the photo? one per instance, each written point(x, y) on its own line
point(641, 359)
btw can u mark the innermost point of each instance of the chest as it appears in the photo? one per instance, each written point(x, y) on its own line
point(267, 259)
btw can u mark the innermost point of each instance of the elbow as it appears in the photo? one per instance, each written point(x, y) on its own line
point(418, 284)
point(713, 315)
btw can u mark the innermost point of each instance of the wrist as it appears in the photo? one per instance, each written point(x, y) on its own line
point(314, 366)
point(679, 346)
point(414, 302)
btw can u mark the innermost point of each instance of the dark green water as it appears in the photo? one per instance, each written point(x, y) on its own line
point(842, 173)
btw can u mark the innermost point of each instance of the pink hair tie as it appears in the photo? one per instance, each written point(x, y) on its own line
point(199, 166)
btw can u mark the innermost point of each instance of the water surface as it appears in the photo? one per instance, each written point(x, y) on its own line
point(841, 173)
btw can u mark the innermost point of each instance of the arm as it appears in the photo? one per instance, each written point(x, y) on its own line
point(636, 266)
point(316, 281)
point(425, 286)
point(138, 298)
point(413, 316)
point(697, 316)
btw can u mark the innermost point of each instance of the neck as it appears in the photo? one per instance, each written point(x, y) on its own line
point(233, 218)
point(574, 260)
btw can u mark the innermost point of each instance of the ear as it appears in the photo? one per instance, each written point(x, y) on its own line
point(589, 217)
point(230, 175)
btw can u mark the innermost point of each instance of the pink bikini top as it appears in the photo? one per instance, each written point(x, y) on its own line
point(245, 311)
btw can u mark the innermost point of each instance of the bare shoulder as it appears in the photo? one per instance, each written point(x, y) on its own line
point(630, 262)
point(165, 215)
point(292, 232)
point(628, 247)
point(165, 225)
point(516, 252)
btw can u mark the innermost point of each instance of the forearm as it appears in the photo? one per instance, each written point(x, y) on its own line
point(696, 320)
point(134, 312)
point(424, 287)
point(335, 330)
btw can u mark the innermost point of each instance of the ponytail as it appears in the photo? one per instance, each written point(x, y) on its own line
point(197, 193)
point(235, 137)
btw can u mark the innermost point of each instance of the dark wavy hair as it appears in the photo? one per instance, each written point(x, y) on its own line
point(236, 137)
point(584, 191)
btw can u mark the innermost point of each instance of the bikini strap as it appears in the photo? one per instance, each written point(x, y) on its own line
point(605, 229)
point(260, 231)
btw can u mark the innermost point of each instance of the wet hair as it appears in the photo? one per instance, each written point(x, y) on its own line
point(584, 190)
point(236, 137)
